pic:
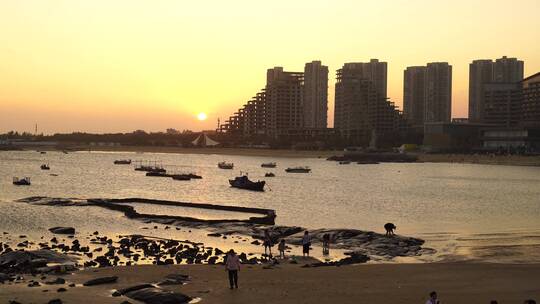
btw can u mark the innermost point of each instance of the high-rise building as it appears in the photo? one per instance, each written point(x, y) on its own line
point(361, 107)
point(485, 71)
point(507, 70)
point(513, 104)
point(502, 104)
point(414, 83)
point(315, 101)
point(530, 107)
point(438, 92)
point(480, 73)
point(284, 96)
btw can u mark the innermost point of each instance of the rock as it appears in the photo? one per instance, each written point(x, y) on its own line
point(5, 277)
point(174, 279)
point(55, 301)
point(133, 288)
point(256, 242)
point(154, 295)
point(61, 289)
point(214, 234)
point(56, 281)
point(62, 230)
point(102, 280)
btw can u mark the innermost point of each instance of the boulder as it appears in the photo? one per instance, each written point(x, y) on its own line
point(154, 295)
point(62, 230)
point(102, 280)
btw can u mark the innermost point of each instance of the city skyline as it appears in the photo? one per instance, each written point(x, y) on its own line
point(101, 78)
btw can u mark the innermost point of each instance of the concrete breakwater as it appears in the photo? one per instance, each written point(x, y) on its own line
point(267, 215)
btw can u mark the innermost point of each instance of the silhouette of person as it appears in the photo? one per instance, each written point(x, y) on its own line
point(232, 266)
point(306, 243)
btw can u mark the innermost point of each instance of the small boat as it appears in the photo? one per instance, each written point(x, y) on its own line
point(298, 170)
point(243, 182)
point(181, 177)
point(344, 162)
point(21, 182)
point(225, 165)
point(269, 174)
point(150, 168)
point(122, 162)
point(45, 167)
point(268, 165)
point(157, 173)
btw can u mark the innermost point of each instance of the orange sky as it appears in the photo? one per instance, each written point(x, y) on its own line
point(117, 66)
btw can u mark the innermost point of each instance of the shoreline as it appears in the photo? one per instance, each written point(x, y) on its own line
point(506, 160)
point(286, 283)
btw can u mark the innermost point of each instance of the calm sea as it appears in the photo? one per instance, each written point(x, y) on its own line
point(462, 210)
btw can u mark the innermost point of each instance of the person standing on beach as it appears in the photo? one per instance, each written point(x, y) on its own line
point(433, 298)
point(232, 266)
point(267, 243)
point(281, 248)
point(306, 243)
point(326, 244)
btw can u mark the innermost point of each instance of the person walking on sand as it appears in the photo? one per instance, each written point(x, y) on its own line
point(306, 243)
point(232, 266)
point(433, 299)
point(281, 248)
point(267, 243)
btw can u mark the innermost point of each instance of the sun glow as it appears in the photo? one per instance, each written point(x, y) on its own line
point(201, 116)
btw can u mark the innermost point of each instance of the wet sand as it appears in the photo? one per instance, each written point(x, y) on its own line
point(287, 283)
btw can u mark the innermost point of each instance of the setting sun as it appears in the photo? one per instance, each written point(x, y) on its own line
point(201, 116)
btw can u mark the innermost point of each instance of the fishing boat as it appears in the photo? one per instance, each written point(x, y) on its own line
point(298, 170)
point(181, 177)
point(45, 167)
point(268, 165)
point(21, 181)
point(269, 174)
point(122, 162)
point(225, 165)
point(243, 182)
point(157, 173)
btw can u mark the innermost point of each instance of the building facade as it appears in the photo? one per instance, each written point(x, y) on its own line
point(438, 92)
point(315, 102)
point(480, 73)
point(414, 82)
point(486, 71)
point(362, 111)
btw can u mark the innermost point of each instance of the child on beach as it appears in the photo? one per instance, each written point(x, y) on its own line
point(281, 248)
point(433, 298)
point(326, 244)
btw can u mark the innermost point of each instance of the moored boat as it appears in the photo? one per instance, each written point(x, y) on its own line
point(298, 170)
point(225, 165)
point(122, 162)
point(21, 181)
point(243, 182)
point(180, 177)
point(268, 165)
point(157, 173)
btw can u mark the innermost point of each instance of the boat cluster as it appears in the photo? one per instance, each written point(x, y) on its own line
point(158, 171)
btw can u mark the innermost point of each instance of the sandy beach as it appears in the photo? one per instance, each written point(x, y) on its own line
point(286, 283)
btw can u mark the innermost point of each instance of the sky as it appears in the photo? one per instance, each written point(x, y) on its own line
point(118, 66)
